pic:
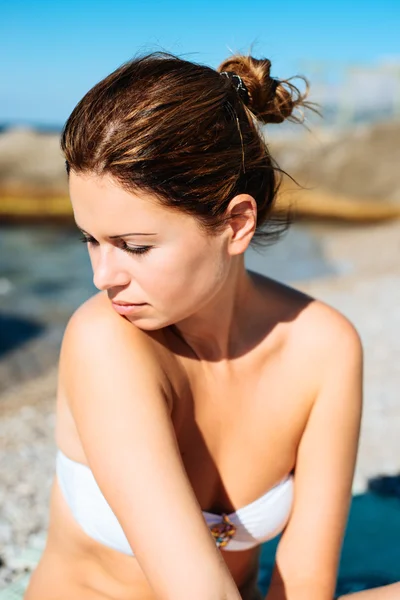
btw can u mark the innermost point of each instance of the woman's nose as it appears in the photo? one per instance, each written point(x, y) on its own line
point(108, 272)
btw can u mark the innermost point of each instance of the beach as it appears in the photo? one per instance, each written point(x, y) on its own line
point(328, 114)
point(355, 269)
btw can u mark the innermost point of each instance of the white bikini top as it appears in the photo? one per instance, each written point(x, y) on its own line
point(245, 528)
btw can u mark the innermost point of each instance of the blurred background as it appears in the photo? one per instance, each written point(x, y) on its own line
point(343, 246)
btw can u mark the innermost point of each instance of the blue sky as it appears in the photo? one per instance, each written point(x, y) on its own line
point(53, 51)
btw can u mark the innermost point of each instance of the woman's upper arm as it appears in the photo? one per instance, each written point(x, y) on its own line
point(309, 550)
point(116, 392)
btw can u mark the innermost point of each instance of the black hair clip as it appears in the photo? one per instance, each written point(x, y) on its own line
point(239, 86)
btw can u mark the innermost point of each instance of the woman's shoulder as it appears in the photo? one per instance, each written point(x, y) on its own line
point(321, 327)
point(97, 335)
point(316, 332)
point(95, 322)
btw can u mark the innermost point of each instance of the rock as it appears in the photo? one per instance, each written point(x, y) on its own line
point(31, 163)
point(361, 163)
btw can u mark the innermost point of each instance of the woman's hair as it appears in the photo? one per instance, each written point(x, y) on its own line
point(187, 134)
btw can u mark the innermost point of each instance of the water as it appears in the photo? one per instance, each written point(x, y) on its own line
point(45, 274)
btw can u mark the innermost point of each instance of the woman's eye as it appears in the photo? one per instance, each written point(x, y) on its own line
point(87, 240)
point(130, 249)
point(135, 249)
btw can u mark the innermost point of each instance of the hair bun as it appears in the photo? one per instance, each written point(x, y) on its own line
point(271, 100)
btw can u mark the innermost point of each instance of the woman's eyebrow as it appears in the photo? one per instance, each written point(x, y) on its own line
point(114, 237)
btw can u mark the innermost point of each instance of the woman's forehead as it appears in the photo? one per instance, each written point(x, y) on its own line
point(100, 202)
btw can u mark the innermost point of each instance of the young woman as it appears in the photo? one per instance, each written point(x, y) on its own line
point(202, 409)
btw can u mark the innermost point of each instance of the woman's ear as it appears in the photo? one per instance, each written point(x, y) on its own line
point(242, 221)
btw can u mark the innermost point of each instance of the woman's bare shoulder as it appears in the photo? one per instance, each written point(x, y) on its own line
point(94, 310)
point(307, 314)
point(316, 332)
point(323, 329)
point(95, 321)
point(320, 336)
point(96, 334)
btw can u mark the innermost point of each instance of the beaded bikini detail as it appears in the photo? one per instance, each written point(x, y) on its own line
point(223, 532)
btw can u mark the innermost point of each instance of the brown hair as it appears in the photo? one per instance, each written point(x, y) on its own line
point(182, 132)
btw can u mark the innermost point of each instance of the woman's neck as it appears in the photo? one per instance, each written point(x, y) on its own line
point(216, 333)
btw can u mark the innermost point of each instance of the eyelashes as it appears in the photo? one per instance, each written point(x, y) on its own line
point(138, 250)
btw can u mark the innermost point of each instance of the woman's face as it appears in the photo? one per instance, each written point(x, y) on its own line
point(147, 254)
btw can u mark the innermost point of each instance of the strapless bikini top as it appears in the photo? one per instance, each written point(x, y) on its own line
point(245, 528)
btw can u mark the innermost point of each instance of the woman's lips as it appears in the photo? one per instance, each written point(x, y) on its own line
point(127, 309)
